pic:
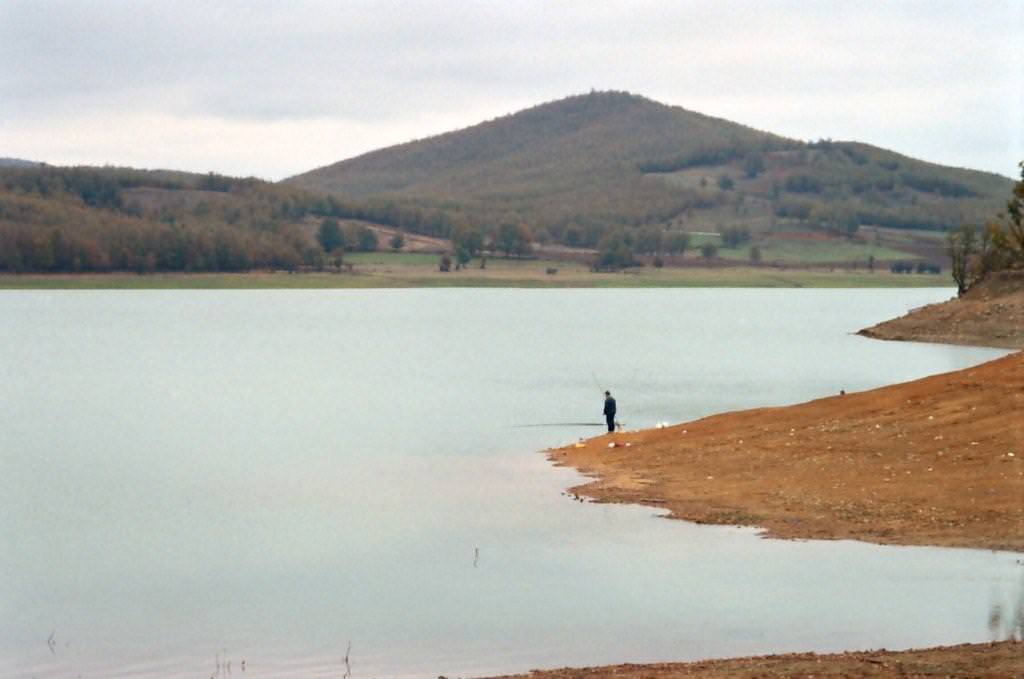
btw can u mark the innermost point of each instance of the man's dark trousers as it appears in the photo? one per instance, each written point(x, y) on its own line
point(610, 417)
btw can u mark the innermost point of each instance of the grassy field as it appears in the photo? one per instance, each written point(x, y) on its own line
point(803, 251)
point(421, 259)
point(387, 270)
point(812, 252)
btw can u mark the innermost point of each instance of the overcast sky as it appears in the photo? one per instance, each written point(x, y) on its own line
point(275, 88)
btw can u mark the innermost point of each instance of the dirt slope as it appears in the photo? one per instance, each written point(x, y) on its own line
point(1005, 659)
point(936, 461)
point(989, 314)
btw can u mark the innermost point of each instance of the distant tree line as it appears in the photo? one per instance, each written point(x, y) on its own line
point(726, 152)
point(113, 219)
point(619, 248)
point(911, 267)
point(108, 216)
point(132, 244)
point(66, 219)
point(350, 238)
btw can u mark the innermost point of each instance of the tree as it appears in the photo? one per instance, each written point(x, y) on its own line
point(367, 240)
point(676, 242)
point(708, 250)
point(960, 245)
point(505, 239)
point(846, 222)
point(329, 234)
point(1001, 246)
point(614, 251)
point(467, 237)
point(1015, 211)
point(572, 236)
point(755, 254)
point(397, 241)
point(648, 240)
point(513, 238)
point(725, 182)
point(734, 236)
point(753, 165)
point(1003, 240)
point(445, 264)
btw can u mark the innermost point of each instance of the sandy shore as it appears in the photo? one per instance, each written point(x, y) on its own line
point(1004, 659)
point(936, 461)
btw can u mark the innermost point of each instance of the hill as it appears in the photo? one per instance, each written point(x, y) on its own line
point(76, 219)
point(18, 162)
point(575, 168)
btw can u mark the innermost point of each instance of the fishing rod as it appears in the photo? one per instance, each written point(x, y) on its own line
point(568, 424)
point(560, 424)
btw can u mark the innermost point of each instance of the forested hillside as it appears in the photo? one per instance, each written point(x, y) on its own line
point(69, 219)
point(575, 169)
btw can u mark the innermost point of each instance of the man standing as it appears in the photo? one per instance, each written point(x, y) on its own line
point(609, 410)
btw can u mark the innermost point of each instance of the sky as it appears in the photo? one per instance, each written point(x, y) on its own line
point(271, 89)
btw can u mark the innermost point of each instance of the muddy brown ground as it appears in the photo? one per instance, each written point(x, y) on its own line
point(989, 314)
point(968, 660)
point(936, 461)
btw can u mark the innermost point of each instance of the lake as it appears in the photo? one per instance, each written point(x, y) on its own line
point(192, 478)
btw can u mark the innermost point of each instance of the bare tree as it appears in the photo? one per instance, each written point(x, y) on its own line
point(961, 246)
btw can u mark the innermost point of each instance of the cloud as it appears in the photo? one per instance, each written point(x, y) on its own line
point(373, 71)
point(270, 149)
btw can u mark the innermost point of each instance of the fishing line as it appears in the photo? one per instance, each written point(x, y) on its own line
point(560, 424)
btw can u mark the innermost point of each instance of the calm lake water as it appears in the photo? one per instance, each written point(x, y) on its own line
point(193, 477)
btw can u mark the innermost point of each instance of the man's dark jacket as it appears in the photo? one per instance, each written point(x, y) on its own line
point(609, 406)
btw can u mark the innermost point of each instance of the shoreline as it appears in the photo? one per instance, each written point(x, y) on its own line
point(508, 274)
point(997, 659)
point(937, 461)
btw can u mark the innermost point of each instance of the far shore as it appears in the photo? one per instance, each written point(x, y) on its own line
point(422, 272)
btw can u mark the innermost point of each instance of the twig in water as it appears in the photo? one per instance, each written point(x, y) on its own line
point(51, 642)
point(476, 556)
point(348, 667)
